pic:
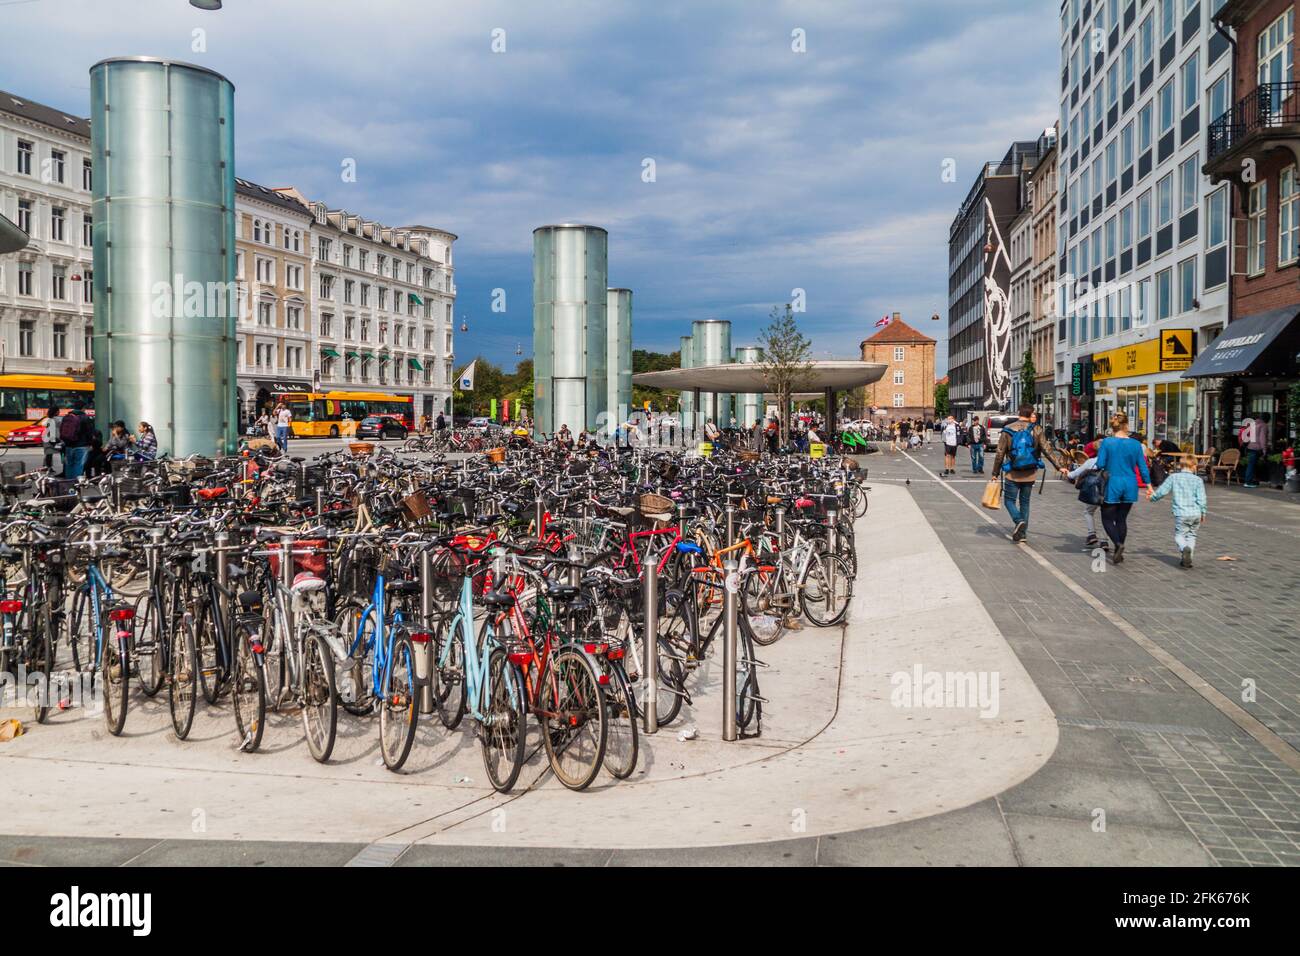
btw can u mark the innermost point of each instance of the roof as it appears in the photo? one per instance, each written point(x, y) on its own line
point(48, 115)
point(270, 196)
point(837, 374)
point(897, 331)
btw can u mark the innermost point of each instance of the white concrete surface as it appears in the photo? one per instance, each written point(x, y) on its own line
point(836, 753)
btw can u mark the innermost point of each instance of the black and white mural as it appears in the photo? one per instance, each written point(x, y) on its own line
point(997, 313)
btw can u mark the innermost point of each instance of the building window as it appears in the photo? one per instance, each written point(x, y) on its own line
point(25, 215)
point(1164, 294)
point(1274, 51)
point(87, 230)
point(1255, 229)
point(898, 353)
point(88, 287)
point(326, 324)
point(87, 176)
point(327, 287)
point(898, 376)
point(1126, 228)
point(58, 220)
point(1288, 209)
point(1168, 19)
point(1144, 128)
point(25, 150)
point(1189, 186)
point(365, 329)
point(1126, 147)
point(59, 283)
point(348, 286)
point(293, 317)
point(1187, 285)
point(58, 160)
point(87, 342)
point(323, 250)
point(1146, 39)
point(1191, 83)
point(1165, 200)
point(1144, 215)
point(60, 340)
point(266, 314)
point(26, 338)
point(347, 255)
point(1166, 104)
point(1218, 97)
point(898, 399)
point(1142, 307)
point(25, 278)
point(1216, 216)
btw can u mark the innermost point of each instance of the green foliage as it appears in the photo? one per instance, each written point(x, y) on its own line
point(940, 399)
point(786, 365)
point(1028, 378)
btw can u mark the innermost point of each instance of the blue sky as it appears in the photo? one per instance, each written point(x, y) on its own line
point(774, 170)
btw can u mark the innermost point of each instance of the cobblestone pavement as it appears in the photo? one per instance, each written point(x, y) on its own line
point(1232, 623)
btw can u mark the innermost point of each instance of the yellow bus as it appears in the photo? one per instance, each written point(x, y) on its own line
point(332, 414)
point(26, 398)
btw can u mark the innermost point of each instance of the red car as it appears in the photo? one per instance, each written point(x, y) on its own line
point(26, 434)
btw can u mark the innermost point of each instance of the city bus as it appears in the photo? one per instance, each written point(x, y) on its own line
point(332, 414)
point(26, 398)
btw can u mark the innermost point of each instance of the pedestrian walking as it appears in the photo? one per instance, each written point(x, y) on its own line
point(949, 446)
point(1123, 460)
point(1254, 440)
point(283, 421)
point(50, 437)
point(975, 435)
point(1087, 480)
point(1019, 458)
point(1186, 491)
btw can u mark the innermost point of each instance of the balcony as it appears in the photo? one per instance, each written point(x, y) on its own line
point(1266, 119)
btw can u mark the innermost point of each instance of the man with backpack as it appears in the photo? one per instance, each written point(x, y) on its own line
point(1019, 458)
point(976, 435)
point(77, 433)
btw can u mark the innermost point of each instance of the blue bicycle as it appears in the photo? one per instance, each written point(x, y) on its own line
point(105, 625)
point(379, 671)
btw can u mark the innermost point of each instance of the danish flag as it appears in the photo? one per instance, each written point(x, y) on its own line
point(883, 322)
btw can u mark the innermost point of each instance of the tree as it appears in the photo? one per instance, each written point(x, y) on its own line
point(1028, 378)
point(786, 367)
point(941, 399)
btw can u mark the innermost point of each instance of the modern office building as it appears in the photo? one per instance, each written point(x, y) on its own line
point(46, 289)
point(980, 366)
point(1142, 234)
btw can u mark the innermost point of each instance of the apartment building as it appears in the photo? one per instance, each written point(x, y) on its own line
point(979, 276)
point(1142, 233)
point(273, 270)
point(906, 390)
point(1042, 280)
point(1253, 148)
point(1021, 286)
point(384, 299)
point(46, 310)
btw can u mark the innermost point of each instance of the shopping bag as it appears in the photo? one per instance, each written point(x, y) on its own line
point(992, 495)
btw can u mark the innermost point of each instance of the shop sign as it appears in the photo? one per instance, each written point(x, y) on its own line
point(1176, 350)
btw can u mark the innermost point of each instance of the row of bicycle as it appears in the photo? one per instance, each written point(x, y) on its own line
point(508, 596)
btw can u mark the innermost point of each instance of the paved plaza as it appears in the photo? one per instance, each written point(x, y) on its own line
point(1105, 724)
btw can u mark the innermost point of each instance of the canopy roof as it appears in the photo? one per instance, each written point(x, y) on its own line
point(835, 374)
point(12, 238)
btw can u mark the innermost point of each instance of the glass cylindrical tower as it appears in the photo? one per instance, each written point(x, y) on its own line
point(749, 405)
point(686, 400)
point(163, 207)
point(569, 332)
point(712, 339)
point(618, 359)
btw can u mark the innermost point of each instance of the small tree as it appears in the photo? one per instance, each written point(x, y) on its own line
point(785, 364)
point(1028, 378)
point(940, 400)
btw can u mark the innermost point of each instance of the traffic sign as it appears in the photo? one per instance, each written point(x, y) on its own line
point(1175, 350)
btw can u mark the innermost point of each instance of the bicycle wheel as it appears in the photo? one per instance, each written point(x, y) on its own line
point(448, 678)
point(858, 501)
point(248, 691)
point(182, 676)
point(677, 633)
point(76, 621)
point(504, 729)
point(622, 741)
point(114, 675)
point(354, 678)
point(147, 651)
point(320, 711)
point(40, 661)
point(760, 603)
point(571, 710)
point(825, 589)
point(398, 710)
point(748, 704)
point(205, 646)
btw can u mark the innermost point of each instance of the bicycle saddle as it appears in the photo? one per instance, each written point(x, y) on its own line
point(403, 587)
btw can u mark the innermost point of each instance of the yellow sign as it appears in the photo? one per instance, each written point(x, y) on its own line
point(1174, 346)
point(1175, 350)
point(706, 449)
point(816, 449)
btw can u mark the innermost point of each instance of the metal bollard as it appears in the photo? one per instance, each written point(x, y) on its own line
point(320, 502)
point(286, 581)
point(424, 652)
point(731, 524)
point(539, 516)
point(780, 522)
point(650, 628)
point(730, 603)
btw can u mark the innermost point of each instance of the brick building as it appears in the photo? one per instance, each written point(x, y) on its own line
point(907, 389)
point(1253, 142)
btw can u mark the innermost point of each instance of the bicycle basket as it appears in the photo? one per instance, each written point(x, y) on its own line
point(415, 507)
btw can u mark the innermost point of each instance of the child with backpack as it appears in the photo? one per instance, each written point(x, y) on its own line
point(1187, 493)
point(1087, 479)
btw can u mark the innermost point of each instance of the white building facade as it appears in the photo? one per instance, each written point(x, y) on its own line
point(46, 310)
point(1022, 262)
point(1143, 239)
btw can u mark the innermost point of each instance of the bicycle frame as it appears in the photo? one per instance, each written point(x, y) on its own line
point(380, 640)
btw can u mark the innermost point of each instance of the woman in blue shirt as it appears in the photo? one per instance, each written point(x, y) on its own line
point(1123, 459)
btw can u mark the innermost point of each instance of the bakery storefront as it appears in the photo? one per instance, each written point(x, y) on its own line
point(1145, 381)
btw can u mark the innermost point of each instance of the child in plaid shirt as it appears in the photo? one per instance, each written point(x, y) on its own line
point(1187, 493)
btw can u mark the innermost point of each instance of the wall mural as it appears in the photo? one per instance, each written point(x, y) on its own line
point(997, 314)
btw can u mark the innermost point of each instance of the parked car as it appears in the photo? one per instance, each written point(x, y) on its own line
point(481, 421)
point(378, 426)
point(993, 429)
point(31, 434)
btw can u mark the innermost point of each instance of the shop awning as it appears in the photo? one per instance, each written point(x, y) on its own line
point(415, 298)
point(329, 353)
point(1242, 343)
point(367, 354)
point(415, 364)
point(384, 357)
point(354, 355)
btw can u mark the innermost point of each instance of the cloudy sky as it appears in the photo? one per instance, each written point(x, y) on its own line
point(774, 170)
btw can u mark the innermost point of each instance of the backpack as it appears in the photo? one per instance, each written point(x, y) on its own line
point(1158, 470)
point(1090, 485)
point(1022, 449)
point(70, 428)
